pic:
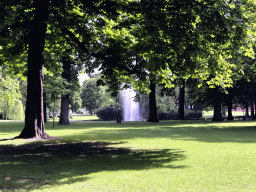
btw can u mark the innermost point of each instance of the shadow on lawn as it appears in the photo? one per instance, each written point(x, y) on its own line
point(186, 130)
point(43, 164)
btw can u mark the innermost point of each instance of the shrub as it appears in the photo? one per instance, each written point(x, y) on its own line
point(108, 114)
point(173, 115)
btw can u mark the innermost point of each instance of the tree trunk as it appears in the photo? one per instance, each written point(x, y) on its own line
point(246, 109)
point(252, 110)
point(254, 117)
point(217, 106)
point(181, 101)
point(45, 115)
point(34, 115)
point(230, 116)
point(152, 103)
point(64, 118)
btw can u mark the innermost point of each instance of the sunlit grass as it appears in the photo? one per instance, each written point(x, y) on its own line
point(78, 118)
point(209, 114)
point(167, 156)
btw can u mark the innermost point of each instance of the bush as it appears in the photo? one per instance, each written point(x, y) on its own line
point(168, 116)
point(173, 115)
point(108, 114)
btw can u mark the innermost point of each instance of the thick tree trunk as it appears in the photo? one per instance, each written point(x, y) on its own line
point(152, 103)
point(181, 101)
point(230, 116)
point(217, 116)
point(64, 118)
point(34, 115)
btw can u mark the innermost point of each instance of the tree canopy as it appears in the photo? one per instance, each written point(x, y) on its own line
point(133, 42)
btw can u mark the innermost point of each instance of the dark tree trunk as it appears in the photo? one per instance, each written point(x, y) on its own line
point(217, 116)
point(45, 105)
point(34, 115)
point(64, 120)
point(181, 101)
point(152, 103)
point(246, 110)
point(230, 116)
point(252, 109)
point(254, 117)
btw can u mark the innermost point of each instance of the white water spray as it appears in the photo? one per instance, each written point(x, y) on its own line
point(131, 109)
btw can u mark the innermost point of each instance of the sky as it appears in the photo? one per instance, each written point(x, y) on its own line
point(82, 77)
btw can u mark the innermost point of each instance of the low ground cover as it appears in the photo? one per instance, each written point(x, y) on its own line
point(167, 156)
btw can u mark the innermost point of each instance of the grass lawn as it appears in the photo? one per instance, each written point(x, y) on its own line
point(79, 118)
point(166, 156)
point(234, 113)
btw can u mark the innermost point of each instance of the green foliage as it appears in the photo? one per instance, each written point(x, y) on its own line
point(75, 100)
point(173, 115)
point(95, 97)
point(10, 104)
point(90, 95)
point(108, 114)
point(55, 86)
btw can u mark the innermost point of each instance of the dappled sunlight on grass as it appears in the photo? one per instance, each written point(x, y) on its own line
point(134, 156)
point(188, 130)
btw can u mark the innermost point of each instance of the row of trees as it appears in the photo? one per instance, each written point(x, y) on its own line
point(142, 43)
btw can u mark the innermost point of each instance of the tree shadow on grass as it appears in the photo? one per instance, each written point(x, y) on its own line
point(208, 132)
point(41, 164)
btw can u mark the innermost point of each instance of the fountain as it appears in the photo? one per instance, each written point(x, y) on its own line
point(131, 109)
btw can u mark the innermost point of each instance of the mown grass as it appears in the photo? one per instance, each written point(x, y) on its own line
point(169, 156)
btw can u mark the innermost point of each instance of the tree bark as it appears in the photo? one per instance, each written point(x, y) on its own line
point(252, 109)
point(181, 101)
point(230, 116)
point(217, 106)
point(152, 103)
point(45, 105)
point(246, 109)
point(254, 117)
point(64, 118)
point(34, 115)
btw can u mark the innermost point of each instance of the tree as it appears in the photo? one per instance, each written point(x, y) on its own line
point(90, 95)
point(75, 100)
point(170, 37)
point(179, 39)
point(55, 89)
point(10, 96)
point(181, 101)
point(66, 74)
point(27, 21)
point(152, 103)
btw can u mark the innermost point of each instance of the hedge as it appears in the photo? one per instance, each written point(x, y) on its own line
point(108, 114)
point(173, 115)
